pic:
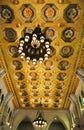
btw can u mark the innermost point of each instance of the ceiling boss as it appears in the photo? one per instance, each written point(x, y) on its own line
point(35, 46)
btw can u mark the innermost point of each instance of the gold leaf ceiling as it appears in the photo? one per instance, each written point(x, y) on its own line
point(54, 79)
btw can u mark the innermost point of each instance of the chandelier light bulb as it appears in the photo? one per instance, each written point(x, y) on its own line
point(42, 38)
point(22, 41)
point(34, 37)
point(34, 61)
point(19, 51)
point(26, 39)
point(39, 126)
point(39, 122)
point(21, 44)
point(47, 44)
point(22, 55)
point(27, 59)
point(36, 122)
point(21, 48)
point(10, 127)
point(36, 125)
point(8, 123)
point(41, 60)
point(48, 51)
point(46, 56)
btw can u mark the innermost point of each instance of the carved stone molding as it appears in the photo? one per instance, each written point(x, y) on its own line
point(74, 100)
point(2, 73)
point(8, 97)
point(80, 73)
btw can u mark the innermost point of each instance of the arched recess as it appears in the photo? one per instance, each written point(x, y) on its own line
point(56, 125)
point(25, 124)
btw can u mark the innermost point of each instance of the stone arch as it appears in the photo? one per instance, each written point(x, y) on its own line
point(56, 124)
point(25, 124)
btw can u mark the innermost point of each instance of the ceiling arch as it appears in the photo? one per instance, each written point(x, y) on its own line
point(57, 125)
point(25, 124)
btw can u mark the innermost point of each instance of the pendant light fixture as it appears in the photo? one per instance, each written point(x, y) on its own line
point(35, 46)
point(39, 121)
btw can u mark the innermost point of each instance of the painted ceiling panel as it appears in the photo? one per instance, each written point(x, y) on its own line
point(54, 79)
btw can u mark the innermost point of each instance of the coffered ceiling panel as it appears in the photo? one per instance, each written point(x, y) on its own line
point(54, 79)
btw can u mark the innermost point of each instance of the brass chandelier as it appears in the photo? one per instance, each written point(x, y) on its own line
point(39, 121)
point(35, 46)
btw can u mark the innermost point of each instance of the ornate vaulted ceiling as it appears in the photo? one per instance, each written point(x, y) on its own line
point(54, 79)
